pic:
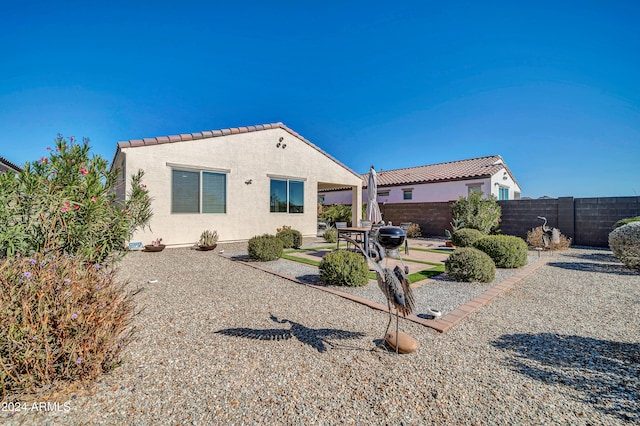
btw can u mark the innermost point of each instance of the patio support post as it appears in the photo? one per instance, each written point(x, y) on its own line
point(356, 205)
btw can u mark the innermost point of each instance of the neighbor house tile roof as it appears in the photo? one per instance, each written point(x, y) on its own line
point(217, 133)
point(9, 165)
point(472, 168)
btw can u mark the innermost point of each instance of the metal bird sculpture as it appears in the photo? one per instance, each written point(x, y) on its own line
point(393, 284)
point(547, 231)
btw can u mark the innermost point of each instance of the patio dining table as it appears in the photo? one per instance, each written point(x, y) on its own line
point(355, 230)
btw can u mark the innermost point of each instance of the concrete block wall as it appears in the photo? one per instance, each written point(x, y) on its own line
point(594, 217)
point(433, 218)
point(520, 216)
point(587, 221)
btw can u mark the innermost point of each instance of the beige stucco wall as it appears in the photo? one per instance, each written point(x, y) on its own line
point(246, 156)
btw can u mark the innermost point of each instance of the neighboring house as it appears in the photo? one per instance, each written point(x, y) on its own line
point(438, 182)
point(6, 165)
point(241, 182)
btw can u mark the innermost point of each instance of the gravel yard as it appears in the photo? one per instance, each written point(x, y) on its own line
point(222, 343)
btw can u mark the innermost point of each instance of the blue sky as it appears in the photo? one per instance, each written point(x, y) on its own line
point(552, 86)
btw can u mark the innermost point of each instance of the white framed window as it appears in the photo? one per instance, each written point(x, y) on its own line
point(503, 193)
point(198, 191)
point(286, 196)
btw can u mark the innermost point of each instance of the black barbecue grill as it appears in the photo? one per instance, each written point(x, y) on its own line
point(391, 237)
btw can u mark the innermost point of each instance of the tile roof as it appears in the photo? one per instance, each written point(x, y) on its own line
point(454, 170)
point(8, 164)
point(217, 133)
point(206, 134)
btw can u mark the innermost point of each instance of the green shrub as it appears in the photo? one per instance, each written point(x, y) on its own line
point(63, 320)
point(625, 244)
point(330, 235)
point(265, 247)
point(342, 267)
point(67, 202)
point(336, 213)
point(465, 237)
point(208, 238)
point(290, 237)
point(476, 213)
point(507, 251)
point(471, 265)
point(625, 221)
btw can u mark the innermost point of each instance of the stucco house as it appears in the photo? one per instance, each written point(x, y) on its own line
point(6, 165)
point(242, 182)
point(438, 182)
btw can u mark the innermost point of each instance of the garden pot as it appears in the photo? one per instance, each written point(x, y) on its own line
point(151, 247)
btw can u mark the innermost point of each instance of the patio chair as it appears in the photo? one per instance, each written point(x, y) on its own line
point(373, 234)
point(340, 225)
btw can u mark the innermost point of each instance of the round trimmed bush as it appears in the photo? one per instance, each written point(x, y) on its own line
point(346, 268)
point(330, 235)
point(290, 238)
point(507, 251)
point(470, 264)
point(625, 244)
point(625, 221)
point(465, 237)
point(265, 247)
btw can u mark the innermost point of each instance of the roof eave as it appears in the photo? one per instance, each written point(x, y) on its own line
point(134, 143)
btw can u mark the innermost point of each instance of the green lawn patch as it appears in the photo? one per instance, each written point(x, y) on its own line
point(414, 277)
point(300, 259)
point(302, 250)
point(439, 251)
point(427, 273)
point(424, 262)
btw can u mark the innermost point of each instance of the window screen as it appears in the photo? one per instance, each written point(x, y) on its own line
point(214, 193)
point(185, 192)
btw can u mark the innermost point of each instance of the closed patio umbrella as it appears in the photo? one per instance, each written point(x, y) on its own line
point(373, 210)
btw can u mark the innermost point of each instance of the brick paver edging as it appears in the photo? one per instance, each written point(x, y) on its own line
point(443, 324)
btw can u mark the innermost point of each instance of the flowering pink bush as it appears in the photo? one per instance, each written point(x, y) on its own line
point(62, 320)
point(67, 203)
point(62, 314)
